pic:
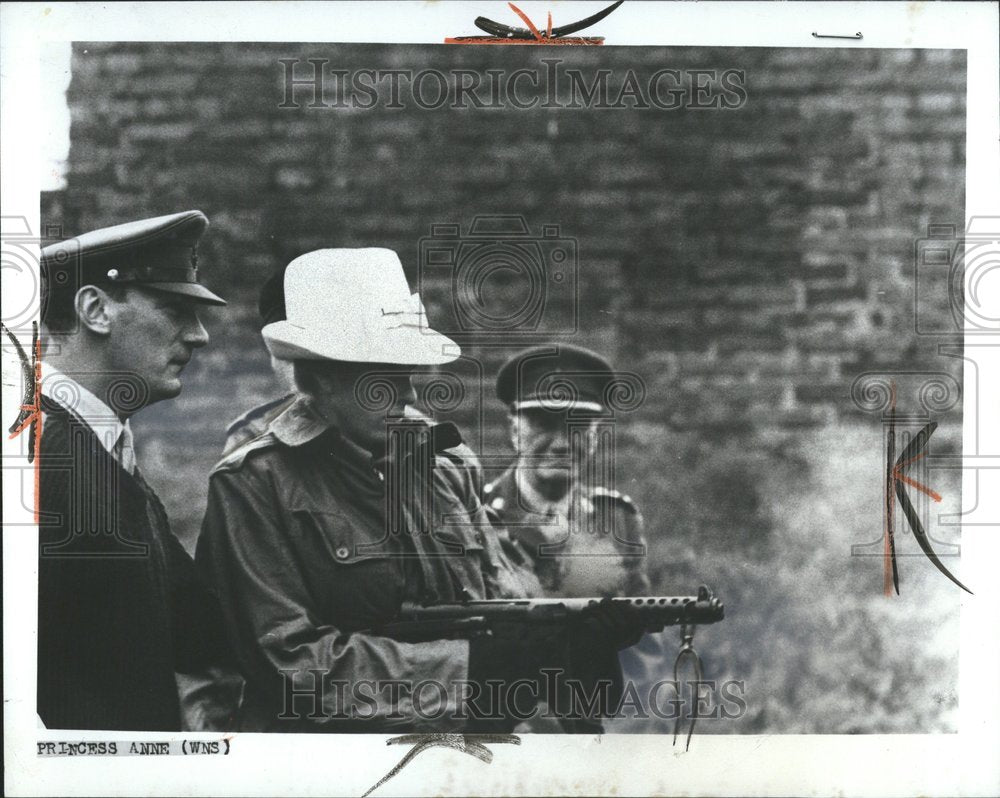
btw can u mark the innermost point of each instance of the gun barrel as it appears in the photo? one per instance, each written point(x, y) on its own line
point(417, 622)
point(659, 610)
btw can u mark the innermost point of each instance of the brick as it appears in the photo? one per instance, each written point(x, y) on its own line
point(159, 132)
point(746, 264)
point(818, 295)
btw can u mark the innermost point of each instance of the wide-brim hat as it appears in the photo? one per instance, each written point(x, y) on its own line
point(354, 305)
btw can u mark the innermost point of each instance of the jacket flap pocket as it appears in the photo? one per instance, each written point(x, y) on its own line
point(347, 541)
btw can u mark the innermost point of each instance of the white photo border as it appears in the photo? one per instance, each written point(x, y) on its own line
point(878, 765)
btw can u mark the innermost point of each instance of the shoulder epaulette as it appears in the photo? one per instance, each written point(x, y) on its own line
point(235, 459)
point(258, 412)
point(615, 497)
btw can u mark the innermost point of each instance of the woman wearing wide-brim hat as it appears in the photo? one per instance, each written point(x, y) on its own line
point(306, 551)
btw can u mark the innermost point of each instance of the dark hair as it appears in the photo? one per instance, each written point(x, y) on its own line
point(304, 375)
point(305, 372)
point(58, 295)
point(58, 298)
point(271, 303)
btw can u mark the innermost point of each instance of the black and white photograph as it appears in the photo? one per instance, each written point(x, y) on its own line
point(524, 383)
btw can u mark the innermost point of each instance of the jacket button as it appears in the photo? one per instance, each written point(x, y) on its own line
point(341, 553)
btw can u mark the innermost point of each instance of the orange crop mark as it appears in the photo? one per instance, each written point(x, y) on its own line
point(531, 25)
point(922, 488)
point(889, 551)
point(895, 480)
point(503, 34)
point(30, 414)
point(37, 354)
point(564, 40)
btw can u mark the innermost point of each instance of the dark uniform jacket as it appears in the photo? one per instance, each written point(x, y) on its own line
point(254, 423)
point(120, 606)
point(294, 538)
point(597, 549)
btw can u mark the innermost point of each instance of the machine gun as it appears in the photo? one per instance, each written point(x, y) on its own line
point(509, 617)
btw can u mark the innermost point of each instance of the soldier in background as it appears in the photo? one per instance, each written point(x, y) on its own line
point(254, 422)
point(580, 537)
point(558, 519)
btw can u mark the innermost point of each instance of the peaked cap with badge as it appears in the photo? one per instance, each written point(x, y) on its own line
point(159, 253)
point(555, 377)
point(564, 377)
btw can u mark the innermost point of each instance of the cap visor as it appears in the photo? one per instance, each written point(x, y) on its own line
point(558, 404)
point(195, 291)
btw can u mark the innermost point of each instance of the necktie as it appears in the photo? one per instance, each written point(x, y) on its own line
point(125, 451)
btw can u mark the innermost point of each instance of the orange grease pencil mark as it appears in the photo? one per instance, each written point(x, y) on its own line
point(895, 480)
point(565, 40)
point(504, 34)
point(30, 409)
point(889, 553)
point(922, 488)
point(531, 25)
point(38, 421)
point(908, 462)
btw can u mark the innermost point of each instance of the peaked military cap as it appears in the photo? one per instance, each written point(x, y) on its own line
point(160, 253)
point(556, 377)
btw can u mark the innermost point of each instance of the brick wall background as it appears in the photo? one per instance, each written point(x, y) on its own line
point(747, 264)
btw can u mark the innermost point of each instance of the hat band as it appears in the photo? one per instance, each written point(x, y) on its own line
point(152, 274)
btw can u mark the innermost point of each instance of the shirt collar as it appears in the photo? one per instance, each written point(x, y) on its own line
point(70, 394)
point(301, 423)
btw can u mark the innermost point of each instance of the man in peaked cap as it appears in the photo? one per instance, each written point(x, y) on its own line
point(577, 536)
point(580, 537)
point(120, 607)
